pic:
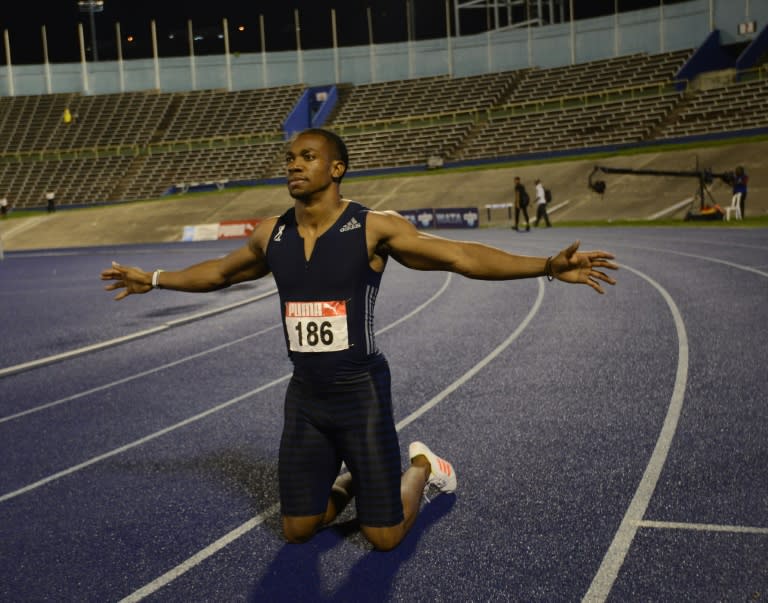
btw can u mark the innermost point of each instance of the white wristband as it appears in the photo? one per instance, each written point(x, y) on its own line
point(155, 277)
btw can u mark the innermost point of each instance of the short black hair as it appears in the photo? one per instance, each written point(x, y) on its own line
point(336, 142)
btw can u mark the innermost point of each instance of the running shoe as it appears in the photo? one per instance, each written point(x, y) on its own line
point(442, 475)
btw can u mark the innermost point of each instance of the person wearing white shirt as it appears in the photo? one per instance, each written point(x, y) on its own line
point(541, 205)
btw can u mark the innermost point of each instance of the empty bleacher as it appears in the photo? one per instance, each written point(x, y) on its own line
point(35, 123)
point(152, 175)
point(221, 114)
point(75, 181)
point(596, 76)
point(586, 125)
point(738, 106)
point(137, 145)
point(390, 101)
point(509, 113)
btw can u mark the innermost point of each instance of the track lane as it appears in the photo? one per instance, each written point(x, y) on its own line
point(526, 443)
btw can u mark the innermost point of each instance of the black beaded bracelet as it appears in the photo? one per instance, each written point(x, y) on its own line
point(548, 269)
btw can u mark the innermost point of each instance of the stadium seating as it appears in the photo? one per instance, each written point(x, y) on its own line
point(596, 76)
point(738, 106)
point(136, 145)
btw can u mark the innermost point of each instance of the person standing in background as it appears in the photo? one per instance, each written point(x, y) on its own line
point(541, 204)
point(50, 198)
point(740, 180)
point(521, 205)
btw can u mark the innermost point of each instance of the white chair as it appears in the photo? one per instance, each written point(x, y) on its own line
point(734, 207)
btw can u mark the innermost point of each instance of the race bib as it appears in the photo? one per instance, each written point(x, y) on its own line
point(317, 326)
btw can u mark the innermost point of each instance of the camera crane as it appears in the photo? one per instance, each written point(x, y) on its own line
point(704, 176)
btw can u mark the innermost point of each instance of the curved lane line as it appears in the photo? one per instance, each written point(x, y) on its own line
point(25, 366)
point(246, 527)
point(193, 356)
point(622, 540)
point(703, 258)
point(135, 376)
point(717, 261)
point(479, 366)
point(701, 527)
point(192, 419)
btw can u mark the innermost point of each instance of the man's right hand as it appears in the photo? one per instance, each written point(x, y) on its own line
point(129, 278)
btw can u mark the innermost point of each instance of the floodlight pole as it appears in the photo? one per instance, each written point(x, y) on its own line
point(92, 7)
point(93, 37)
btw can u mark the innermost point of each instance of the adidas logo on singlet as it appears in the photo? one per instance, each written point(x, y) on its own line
point(351, 225)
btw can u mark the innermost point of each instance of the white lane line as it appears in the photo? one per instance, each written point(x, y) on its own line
point(18, 368)
point(25, 366)
point(192, 419)
point(700, 527)
point(417, 309)
point(140, 441)
point(479, 366)
point(246, 527)
point(198, 355)
point(718, 261)
point(200, 556)
point(703, 258)
point(135, 376)
point(622, 540)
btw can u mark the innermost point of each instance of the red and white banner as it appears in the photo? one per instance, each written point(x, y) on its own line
point(236, 229)
point(229, 229)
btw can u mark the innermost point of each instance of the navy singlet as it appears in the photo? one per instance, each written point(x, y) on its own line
point(338, 275)
point(338, 405)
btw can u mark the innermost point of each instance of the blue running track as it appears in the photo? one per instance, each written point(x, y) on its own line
point(608, 448)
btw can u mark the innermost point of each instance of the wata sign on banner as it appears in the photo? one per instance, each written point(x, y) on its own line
point(420, 218)
point(456, 217)
point(443, 217)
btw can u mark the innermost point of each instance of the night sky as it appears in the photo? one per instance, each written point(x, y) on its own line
point(23, 21)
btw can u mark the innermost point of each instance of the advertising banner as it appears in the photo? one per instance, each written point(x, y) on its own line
point(443, 217)
point(201, 232)
point(420, 218)
point(457, 217)
point(236, 229)
point(229, 229)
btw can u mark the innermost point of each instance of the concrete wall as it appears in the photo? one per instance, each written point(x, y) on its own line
point(661, 29)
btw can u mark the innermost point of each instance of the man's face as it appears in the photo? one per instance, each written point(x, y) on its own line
point(310, 166)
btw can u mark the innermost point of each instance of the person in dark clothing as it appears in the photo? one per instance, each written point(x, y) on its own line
point(521, 205)
point(327, 255)
point(740, 180)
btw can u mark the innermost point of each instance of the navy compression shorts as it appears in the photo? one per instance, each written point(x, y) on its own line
point(348, 420)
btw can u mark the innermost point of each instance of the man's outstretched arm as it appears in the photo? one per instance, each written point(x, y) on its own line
point(397, 237)
point(243, 264)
